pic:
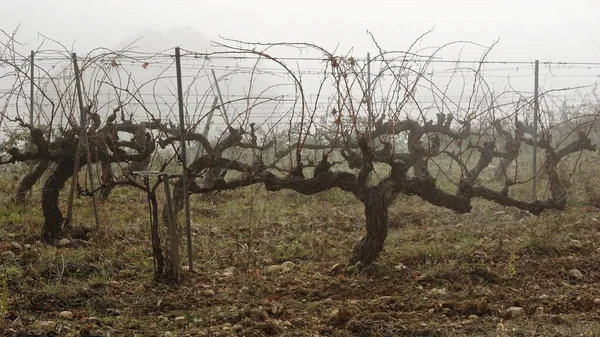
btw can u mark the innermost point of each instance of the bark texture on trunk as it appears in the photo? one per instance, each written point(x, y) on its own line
point(368, 248)
point(170, 272)
point(107, 179)
point(178, 201)
point(420, 168)
point(178, 204)
point(30, 180)
point(502, 169)
point(53, 218)
point(211, 176)
point(159, 261)
point(172, 268)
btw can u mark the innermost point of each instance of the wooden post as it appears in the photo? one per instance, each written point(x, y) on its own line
point(84, 137)
point(91, 179)
point(369, 106)
point(370, 111)
point(223, 110)
point(32, 85)
point(210, 116)
point(536, 107)
point(207, 125)
point(77, 161)
point(184, 174)
point(174, 248)
point(316, 157)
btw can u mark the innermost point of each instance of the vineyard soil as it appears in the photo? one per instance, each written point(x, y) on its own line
point(275, 264)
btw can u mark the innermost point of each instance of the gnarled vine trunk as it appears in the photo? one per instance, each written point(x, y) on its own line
point(31, 179)
point(502, 169)
point(178, 201)
point(159, 262)
point(178, 204)
point(107, 179)
point(376, 203)
point(53, 218)
point(171, 269)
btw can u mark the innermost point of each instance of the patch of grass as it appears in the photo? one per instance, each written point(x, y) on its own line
point(468, 256)
point(3, 296)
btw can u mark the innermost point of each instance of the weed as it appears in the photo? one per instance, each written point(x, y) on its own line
point(3, 296)
point(512, 268)
point(110, 276)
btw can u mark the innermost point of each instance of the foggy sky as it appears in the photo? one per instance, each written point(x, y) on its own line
point(557, 31)
point(546, 30)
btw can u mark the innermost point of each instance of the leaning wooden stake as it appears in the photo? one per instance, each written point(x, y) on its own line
point(184, 174)
point(31, 101)
point(536, 111)
point(82, 141)
point(77, 163)
point(173, 240)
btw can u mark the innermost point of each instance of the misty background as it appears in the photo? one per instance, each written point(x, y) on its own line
point(563, 35)
point(565, 31)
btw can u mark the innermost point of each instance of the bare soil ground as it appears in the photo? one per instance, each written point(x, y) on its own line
point(273, 264)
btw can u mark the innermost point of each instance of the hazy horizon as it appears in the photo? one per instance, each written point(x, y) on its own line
point(560, 31)
point(551, 31)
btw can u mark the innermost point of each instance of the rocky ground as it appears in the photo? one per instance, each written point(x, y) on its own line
point(274, 264)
